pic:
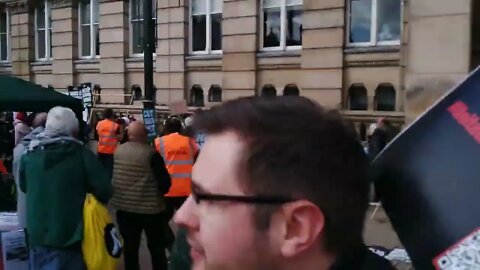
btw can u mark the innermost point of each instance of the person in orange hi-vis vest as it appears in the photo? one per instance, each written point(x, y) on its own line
point(109, 134)
point(179, 153)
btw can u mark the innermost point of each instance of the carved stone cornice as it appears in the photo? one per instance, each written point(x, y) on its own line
point(63, 3)
point(16, 7)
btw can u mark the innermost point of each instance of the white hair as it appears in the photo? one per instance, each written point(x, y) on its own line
point(62, 120)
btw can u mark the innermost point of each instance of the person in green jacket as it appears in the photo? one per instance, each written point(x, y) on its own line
point(56, 173)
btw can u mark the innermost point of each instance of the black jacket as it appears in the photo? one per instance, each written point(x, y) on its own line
point(362, 259)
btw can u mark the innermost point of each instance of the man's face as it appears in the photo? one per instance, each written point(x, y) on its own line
point(222, 235)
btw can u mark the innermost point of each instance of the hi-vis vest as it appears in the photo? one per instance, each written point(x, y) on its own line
point(107, 138)
point(178, 152)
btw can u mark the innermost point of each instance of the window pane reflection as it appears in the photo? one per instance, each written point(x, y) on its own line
point(137, 37)
point(271, 28)
point(360, 20)
point(85, 40)
point(216, 32)
point(4, 47)
point(41, 16)
point(294, 26)
point(97, 39)
point(41, 43)
point(388, 20)
point(199, 33)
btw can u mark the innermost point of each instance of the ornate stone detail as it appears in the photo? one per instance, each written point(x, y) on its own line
point(16, 7)
point(63, 3)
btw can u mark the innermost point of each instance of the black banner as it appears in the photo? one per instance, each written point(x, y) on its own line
point(428, 180)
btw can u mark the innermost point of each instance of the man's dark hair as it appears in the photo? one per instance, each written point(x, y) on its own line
point(108, 113)
point(172, 125)
point(296, 148)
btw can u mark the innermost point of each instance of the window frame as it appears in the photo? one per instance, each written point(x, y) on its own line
point(7, 33)
point(130, 28)
point(208, 24)
point(373, 28)
point(283, 29)
point(93, 37)
point(47, 29)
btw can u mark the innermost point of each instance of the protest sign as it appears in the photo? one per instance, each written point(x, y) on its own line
point(178, 107)
point(150, 120)
point(428, 182)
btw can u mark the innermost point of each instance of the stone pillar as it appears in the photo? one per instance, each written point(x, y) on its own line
point(239, 45)
point(64, 43)
point(172, 34)
point(322, 51)
point(22, 40)
point(438, 51)
point(113, 48)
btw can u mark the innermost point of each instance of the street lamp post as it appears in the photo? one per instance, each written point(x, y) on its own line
point(149, 114)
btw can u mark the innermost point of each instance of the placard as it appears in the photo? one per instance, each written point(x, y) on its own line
point(149, 120)
point(15, 251)
point(428, 181)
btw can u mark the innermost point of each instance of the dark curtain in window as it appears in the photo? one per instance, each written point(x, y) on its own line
point(291, 90)
point(385, 97)
point(215, 93)
point(357, 97)
point(196, 96)
point(269, 90)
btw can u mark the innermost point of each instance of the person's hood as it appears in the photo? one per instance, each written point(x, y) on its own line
point(30, 136)
point(48, 137)
point(66, 147)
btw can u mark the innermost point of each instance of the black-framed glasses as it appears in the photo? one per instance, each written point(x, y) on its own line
point(256, 199)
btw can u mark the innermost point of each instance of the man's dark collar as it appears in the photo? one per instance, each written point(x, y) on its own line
point(361, 259)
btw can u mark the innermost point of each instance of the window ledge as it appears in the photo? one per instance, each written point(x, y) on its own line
point(5, 64)
point(204, 56)
point(373, 49)
point(288, 53)
point(87, 61)
point(41, 63)
point(136, 59)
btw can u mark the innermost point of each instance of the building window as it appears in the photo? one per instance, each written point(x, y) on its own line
point(215, 93)
point(136, 26)
point(374, 22)
point(282, 24)
point(206, 26)
point(43, 32)
point(268, 90)
point(89, 29)
point(357, 97)
point(291, 90)
point(196, 96)
point(385, 97)
point(4, 36)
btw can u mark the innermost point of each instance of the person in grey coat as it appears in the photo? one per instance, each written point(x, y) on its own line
point(38, 127)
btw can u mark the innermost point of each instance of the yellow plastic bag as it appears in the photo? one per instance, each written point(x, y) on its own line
point(102, 245)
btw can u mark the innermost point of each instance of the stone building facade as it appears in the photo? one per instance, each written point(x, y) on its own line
point(368, 58)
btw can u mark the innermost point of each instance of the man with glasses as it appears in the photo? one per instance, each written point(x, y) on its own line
point(279, 184)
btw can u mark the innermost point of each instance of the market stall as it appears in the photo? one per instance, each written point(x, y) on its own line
point(20, 95)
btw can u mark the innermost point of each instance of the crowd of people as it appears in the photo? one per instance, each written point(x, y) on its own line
point(266, 190)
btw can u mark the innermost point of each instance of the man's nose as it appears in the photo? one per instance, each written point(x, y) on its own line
point(186, 216)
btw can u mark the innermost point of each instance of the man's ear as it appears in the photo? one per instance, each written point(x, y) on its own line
point(304, 223)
